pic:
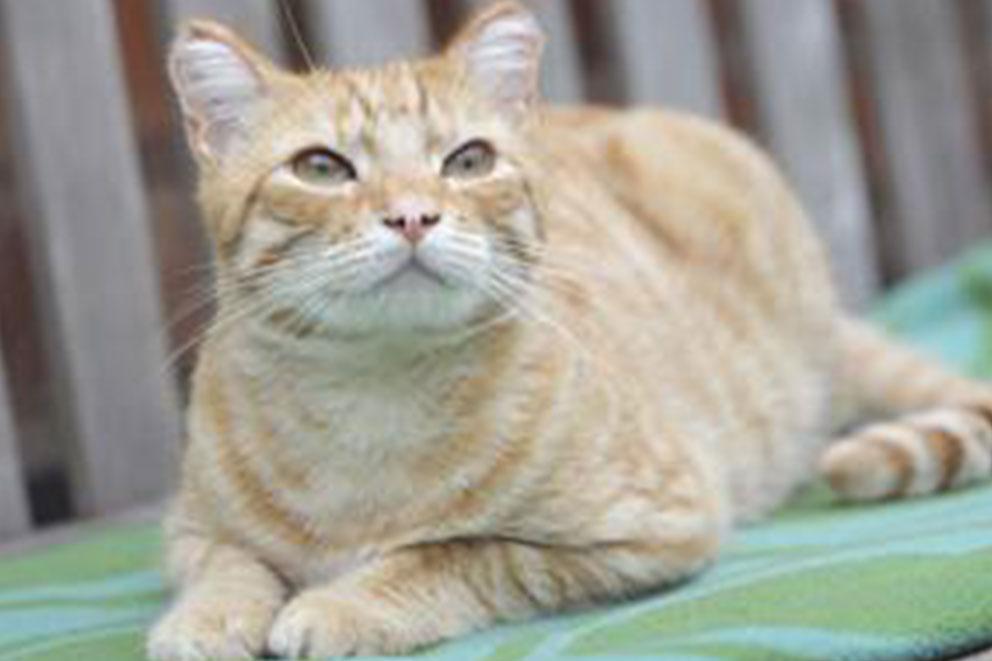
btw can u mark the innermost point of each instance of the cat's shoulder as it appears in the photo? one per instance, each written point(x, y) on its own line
point(670, 169)
point(657, 135)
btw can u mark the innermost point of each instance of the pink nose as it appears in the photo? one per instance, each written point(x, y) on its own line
point(413, 227)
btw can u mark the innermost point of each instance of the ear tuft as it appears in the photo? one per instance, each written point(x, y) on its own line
point(219, 80)
point(501, 50)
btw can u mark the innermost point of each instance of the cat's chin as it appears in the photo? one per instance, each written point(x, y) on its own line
point(409, 304)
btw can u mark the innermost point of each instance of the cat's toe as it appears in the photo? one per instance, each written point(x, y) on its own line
point(309, 626)
point(210, 630)
point(317, 624)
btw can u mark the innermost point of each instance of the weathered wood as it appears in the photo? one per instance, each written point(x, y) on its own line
point(349, 33)
point(561, 75)
point(668, 54)
point(88, 229)
point(928, 123)
point(14, 517)
point(255, 20)
point(68, 533)
point(986, 14)
point(805, 114)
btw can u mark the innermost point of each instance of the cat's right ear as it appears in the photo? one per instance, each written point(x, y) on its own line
point(220, 81)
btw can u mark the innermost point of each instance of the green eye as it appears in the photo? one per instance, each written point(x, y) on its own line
point(475, 158)
point(323, 166)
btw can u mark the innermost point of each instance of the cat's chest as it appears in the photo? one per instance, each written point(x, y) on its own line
point(382, 419)
point(364, 464)
point(375, 420)
point(360, 446)
point(349, 453)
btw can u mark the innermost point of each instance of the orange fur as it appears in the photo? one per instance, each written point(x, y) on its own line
point(626, 342)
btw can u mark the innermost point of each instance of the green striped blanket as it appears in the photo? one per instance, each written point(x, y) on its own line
point(907, 580)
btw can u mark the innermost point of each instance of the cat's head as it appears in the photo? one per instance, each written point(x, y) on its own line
point(389, 199)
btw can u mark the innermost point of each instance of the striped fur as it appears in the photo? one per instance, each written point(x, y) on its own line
point(618, 341)
point(939, 433)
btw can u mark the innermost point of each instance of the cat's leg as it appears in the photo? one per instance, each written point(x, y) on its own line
point(225, 605)
point(424, 594)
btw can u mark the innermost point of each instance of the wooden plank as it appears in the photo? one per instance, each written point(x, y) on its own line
point(668, 54)
point(928, 124)
point(349, 33)
point(805, 115)
point(80, 181)
point(255, 20)
point(14, 517)
point(983, 44)
point(68, 533)
point(986, 12)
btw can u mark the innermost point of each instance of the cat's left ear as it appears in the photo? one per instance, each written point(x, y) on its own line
point(501, 52)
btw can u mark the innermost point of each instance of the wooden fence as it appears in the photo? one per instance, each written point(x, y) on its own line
point(879, 111)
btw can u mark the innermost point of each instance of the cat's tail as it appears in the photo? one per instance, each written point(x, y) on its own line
point(936, 432)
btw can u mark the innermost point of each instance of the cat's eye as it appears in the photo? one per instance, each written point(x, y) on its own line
point(323, 167)
point(475, 158)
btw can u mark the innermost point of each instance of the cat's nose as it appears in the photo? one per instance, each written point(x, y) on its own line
point(412, 227)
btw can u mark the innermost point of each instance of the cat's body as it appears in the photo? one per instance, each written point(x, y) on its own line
point(675, 364)
point(400, 444)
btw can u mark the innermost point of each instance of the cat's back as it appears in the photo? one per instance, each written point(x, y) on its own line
point(696, 194)
point(731, 292)
point(675, 168)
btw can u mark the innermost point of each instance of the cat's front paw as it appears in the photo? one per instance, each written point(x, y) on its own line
point(319, 623)
point(211, 628)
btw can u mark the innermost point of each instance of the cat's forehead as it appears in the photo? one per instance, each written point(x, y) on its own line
point(393, 112)
point(391, 89)
point(399, 89)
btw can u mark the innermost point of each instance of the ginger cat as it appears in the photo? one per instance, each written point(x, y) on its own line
point(478, 359)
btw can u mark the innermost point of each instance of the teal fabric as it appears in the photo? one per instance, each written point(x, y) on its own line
point(906, 580)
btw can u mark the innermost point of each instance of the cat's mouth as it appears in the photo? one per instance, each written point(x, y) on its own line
point(412, 273)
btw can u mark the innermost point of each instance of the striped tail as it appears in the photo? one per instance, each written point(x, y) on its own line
point(938, 434)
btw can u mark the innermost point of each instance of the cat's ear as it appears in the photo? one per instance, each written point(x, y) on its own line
point(220, 81)
point(500, 49)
